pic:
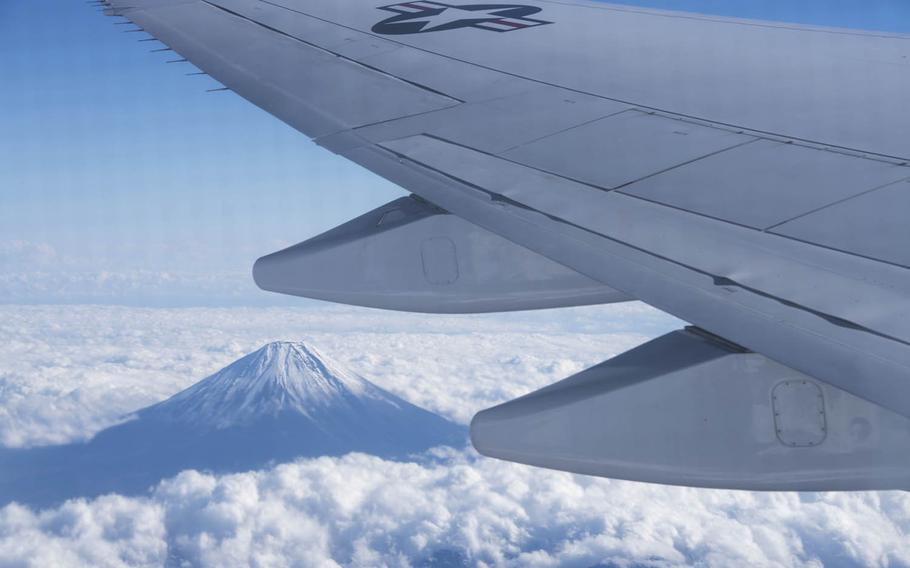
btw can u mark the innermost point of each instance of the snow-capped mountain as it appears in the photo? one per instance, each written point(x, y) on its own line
point(287, 400)
point(280, 377)
point(284, 401)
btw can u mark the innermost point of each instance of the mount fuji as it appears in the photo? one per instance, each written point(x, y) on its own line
point(283, 401)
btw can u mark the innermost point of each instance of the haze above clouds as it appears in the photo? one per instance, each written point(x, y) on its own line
point(67, 372)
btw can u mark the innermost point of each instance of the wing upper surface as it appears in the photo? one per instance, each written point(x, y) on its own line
point(700, 165)
point(827, 86)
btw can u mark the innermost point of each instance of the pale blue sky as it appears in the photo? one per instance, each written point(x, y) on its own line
point(119, 161)
point(110, 153)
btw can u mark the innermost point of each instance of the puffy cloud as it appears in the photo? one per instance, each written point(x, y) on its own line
point(109, 531)
point(68, 371)
point(455, 509)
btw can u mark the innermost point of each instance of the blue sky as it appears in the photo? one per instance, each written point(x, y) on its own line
point(118, 161)
point(877, 15)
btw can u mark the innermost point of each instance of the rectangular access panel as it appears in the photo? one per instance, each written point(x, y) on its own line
point(765, 183)
point(622, 148)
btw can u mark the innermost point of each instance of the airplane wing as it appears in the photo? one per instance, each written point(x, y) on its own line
point(750, 178)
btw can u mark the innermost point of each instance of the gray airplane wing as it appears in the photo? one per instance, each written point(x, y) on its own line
point(750, 178)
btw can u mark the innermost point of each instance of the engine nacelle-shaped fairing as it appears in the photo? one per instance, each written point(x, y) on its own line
point(412, 256)
point(686, 409)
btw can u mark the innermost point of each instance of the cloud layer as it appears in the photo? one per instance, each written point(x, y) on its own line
point(68, 371)
point(454, 510)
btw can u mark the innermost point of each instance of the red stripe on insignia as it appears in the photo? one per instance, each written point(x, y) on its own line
point(510, 23)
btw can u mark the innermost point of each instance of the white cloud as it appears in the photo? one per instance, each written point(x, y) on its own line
point(109, 531)
point(68, 371)
point(362, 511)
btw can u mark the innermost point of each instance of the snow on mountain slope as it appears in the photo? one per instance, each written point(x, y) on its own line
point(280, 377)
point(286, 400)
point(282, 402)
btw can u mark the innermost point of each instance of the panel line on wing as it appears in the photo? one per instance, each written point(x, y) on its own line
point(543, 81)
point(564, 197)
point(834, 203)
point(659, 111)
point(334, 53)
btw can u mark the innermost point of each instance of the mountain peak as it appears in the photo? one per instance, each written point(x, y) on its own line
point(301, 368)
point(279, 377)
